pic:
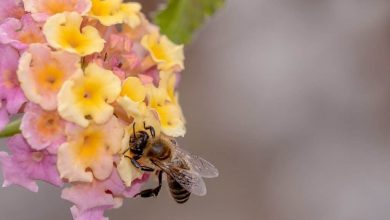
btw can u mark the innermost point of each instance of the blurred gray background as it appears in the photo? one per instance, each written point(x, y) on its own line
point(291, 101)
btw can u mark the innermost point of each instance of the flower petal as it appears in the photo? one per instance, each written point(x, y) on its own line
point(89, 152)
point(42, 9)
point(91, 214)
point(164, 52)
point(9, 86)
point(87, 97)
point(26, 165)
point(11, 9)
point(62, 31)
point(13, 174)
point(20, 33)
point(115, 12)
point(42, 73)
point(42, 129)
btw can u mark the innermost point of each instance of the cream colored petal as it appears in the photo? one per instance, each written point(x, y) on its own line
point(62, 31)
point(171, 118)
point(103, 168)
point(66, 105)
point(133, 109)
point(96, 43)
point(26, 82)
point(102, 113)
point(111, 84)
point(134, 89)
point(131, 14)
point(70, 169)
point(128, 172)
point(90, 152)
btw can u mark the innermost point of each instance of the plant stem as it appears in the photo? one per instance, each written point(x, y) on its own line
point(11, 129)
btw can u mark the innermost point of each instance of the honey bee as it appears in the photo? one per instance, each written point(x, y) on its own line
point(185, 171)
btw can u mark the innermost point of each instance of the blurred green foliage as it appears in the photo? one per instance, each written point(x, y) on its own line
point(180, 18)
point(11, 129)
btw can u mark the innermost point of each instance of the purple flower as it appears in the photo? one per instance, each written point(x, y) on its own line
point(91, 214)
point(42, 129)
point(21, 33)
point(92, 199)
point(11, 8)
point(11, 96)
point(26, 165)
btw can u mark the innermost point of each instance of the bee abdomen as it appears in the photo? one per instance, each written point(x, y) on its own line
point(179, 194)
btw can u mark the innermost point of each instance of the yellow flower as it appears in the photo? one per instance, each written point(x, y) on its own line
point(167, 55)
point(171, 119)
point(90, 152)
point(42, 72)
point(110, 12)
point(168, 83)
point(87, 97)
point(165, 102)
point(132, 97)
point(62, 31)
point(41, 9)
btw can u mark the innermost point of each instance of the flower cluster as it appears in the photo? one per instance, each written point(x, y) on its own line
point(82, 72)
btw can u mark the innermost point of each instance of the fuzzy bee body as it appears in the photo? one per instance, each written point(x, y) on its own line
point(184, 170)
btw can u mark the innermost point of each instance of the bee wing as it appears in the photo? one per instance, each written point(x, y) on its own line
point(190, 181)
point(200, 165)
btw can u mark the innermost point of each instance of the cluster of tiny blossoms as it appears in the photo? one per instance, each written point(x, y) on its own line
point(81, 72)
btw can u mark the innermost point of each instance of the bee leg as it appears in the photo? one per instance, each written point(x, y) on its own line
point(152, 192)
point(151, 129)
point(139, 166)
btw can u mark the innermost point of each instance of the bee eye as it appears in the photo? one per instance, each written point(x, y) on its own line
point(174, 141)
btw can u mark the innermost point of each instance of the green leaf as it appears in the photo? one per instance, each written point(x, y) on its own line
point(181, 18)
point(11, 129)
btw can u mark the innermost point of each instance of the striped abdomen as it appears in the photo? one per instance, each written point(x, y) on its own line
point(179, 194)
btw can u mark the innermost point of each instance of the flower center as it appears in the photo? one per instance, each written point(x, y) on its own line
point(37, 156)
point(50, 77)
point(49, 124)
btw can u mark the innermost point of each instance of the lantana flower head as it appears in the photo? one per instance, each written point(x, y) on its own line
point(83, 76)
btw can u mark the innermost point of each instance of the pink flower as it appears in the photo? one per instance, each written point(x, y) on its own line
point(10, 92)
point(119, 55)
point(91, 214)
point(42, 72)
point(11, 9)
point(42, 129)
point(91, 199)
point(26, 165)
point(21, 33)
